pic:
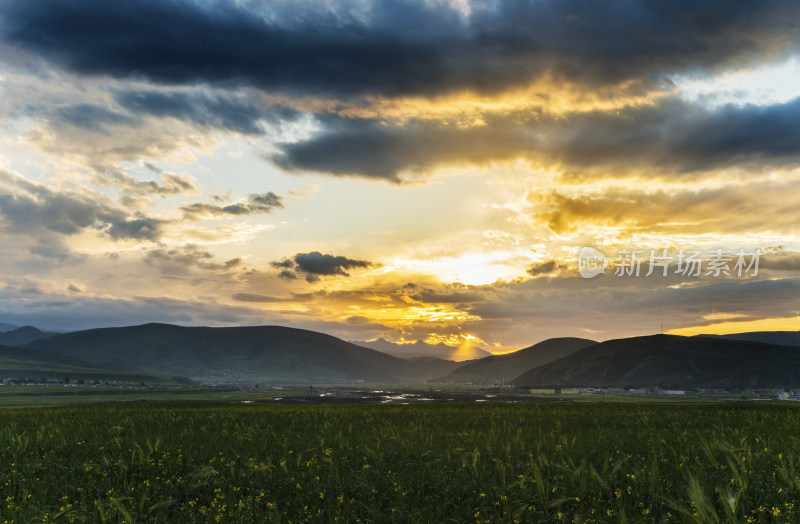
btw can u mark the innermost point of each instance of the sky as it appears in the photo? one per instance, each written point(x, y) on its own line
point(412, 170)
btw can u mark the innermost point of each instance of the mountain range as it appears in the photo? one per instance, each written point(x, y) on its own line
point(274, 354)
point(420, 349)
point(504, 368)
point(22, 363)
point(781, 338)
point(21, 336)
point(672, 361)
point(261, 353)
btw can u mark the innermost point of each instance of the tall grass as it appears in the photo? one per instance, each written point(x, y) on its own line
point(483, 463)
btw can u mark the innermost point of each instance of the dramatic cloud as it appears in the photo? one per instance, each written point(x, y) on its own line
point(235, 115)
point(319, 264)
point(92, 117)
point(453, 294)
point(367, 48)
point(782, 262)
point(254, 205)
point(369, 148)
point(581, 307)
point(669, 137)
point(75, 311)
point(180, 261)
point(363, 51)
point(51, 246)
point(144, 228)
point(27, 208)
point(253, 297)
point(171, 183)
point(760, 206)
point(314, 264)
point(139, 139)
point(546, 268)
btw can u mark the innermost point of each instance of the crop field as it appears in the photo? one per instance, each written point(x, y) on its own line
point(486, 463)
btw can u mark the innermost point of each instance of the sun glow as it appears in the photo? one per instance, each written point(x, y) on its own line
point(726, 328)
point(465, 344)
point(465, 109)
point(474, 269)
point(402, 317)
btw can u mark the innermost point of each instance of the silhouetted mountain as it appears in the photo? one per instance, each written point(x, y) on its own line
point(7, 327)
point(674, 361)
point(22, 336)
point(253, 354)
point(22, 363)
point(422, 349)
point(782, 338)
point(496, 368)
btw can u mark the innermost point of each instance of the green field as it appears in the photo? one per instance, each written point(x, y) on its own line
point(488, 463)
point(29, 396)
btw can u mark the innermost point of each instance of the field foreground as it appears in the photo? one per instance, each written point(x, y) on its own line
point(418, 463)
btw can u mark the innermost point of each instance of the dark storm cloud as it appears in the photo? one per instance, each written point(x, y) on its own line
point(92, 117)
point(353, 50)
point(735, 134)
point(217, 112)
point(369, 148)
point(315, 264)
point(230, 112)
point(35, 207)
point(255, 204)
point(669, 137)
point(393, 48)
point(319, 264)
point(676, 136)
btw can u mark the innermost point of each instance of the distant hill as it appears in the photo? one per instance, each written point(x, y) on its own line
point(434, 367)
point(22, 363)
point(250, 354)
point(4, 326)
point(421, 349)
point(22, 336)
point(674, 361)
point(782, 338)
point(506, 367)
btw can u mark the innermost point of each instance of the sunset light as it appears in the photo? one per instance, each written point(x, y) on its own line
point(441, 183)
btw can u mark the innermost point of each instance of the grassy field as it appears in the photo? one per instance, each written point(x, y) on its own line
point(30, 396)
point(487, 463)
